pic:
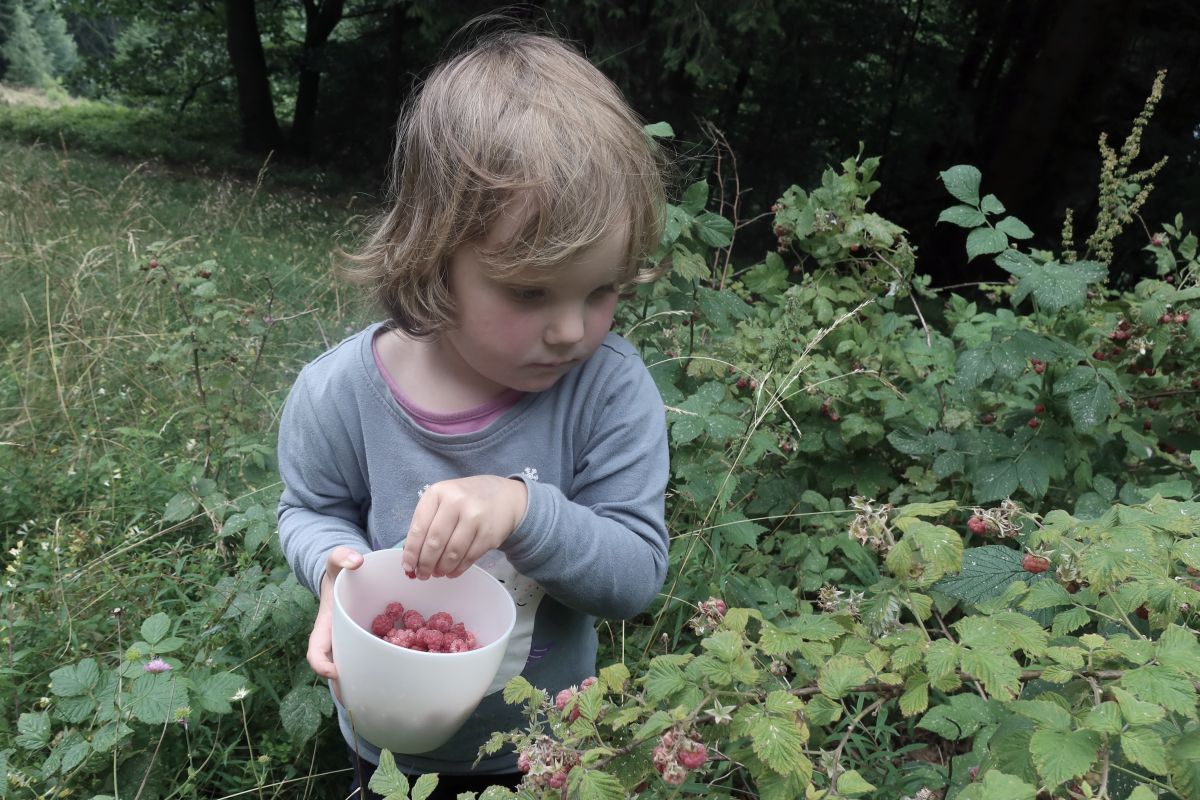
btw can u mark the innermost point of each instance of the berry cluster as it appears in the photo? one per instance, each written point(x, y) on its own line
point(709, 614)
point(1000, 521)
point(677, 754)
point(546, 764)
point(439, 634)
point(564, 698)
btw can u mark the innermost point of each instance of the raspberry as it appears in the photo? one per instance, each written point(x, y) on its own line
point(562, 698)
point(1034, 422)
point(1035, 564)
point(587, 683)
point(523, 762)
point(1182, 318)
point(457, 646)
point(1039, 409)
point(1166, 319)
point(674, 774)
point(988, 419)
point(432, 638)
point(441, 621)
point(413, 620)
point(977, 525)
point(692, 754)
point(558, 780)
point(382, 624)
point(720, 606)
point(394, 610)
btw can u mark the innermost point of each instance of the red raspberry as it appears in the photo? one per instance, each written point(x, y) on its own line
point(720, 606)
point(558, 780)
point(471, 642)
point(413, 620)
point(1119, 335)
point(1035, 564)
point(1039, 368)
point(441, 621)
point(1156, 240)
point(523, 762)
point(1166, 319)
point(692, 754)
point(1034, 422)
point(977, 525)
point(1100, 355)
point(432, 638)
point(1039, 409)
point(1142, 612)
point(587, 683)
point(394, 610)
point(1182, 318)
point(988, 419)
point(457, 646)
point(562, 698)
point(674, 774)
point(1147, 425)
point(382, 624)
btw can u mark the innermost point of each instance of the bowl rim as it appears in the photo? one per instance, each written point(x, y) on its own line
point(503, 638)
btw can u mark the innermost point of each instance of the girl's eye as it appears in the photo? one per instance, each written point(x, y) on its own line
point(604, 291)
point(526, 294)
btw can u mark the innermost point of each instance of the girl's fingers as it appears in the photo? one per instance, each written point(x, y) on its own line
point(436, 536)
point(478, 548)
point(422, 516)
point(457, 549)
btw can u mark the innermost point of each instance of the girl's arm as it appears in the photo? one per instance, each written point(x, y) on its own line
point(600, 545)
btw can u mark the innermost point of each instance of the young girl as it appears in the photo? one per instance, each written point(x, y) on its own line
point(493, 419)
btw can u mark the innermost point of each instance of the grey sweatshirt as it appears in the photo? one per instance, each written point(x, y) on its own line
point(592, 451)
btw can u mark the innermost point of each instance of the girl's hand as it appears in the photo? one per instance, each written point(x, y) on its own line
point(320, 641)
point(457, 521)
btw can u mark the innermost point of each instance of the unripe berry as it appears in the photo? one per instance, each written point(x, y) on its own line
point(1166, 319)
point(1182, 318)
point(153, 263)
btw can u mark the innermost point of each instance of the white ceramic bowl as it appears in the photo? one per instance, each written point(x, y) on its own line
point(408, 701)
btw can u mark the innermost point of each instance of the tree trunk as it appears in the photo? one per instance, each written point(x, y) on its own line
point(256, 108)
point(319, 21)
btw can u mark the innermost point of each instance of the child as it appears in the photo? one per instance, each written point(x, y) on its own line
point(493, 419)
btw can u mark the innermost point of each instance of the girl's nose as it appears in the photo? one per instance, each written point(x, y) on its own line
point(566, 327)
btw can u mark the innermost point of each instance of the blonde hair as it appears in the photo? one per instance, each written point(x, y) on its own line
point(518, 115)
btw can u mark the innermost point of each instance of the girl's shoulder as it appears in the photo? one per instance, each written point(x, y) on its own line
point(342, 364)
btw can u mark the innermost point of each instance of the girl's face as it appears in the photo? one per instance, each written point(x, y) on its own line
point(513, 334)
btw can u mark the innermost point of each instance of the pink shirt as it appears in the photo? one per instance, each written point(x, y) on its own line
point(469, 421)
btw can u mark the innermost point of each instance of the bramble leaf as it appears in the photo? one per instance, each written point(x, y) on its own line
point(1061, 756)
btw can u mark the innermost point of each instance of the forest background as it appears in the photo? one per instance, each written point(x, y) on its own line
point(929, 353)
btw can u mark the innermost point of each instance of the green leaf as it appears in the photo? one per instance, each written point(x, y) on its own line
point(1053, 286)
point(592, 784)
point(1145, 747)
point(991, 204)
point(998, 786)
point(519, 690)
point(1183, 758)
point(155, 628)
point(695, 197)
point(995, 480)
point(1061, 756)
point(180, 507)
point(109, 736)
point(665, 677)
point(961, 718)
point(840, 674)
point(1050, 714)
point(301, 711)
point(424, 786)
point(985, 241)
point(153, 698)
point(963, 216)
point(916, 697)
point(1163, 686)
point(33, 730)
point(999, 673)
point(714, 230)
point(659, 130)
point(1014, 228)
point(986, 572)
point(850, 783)
point(614, 677)
point(780, 744)
point(214, 692)
point(973, 367)
point(388, 780)
point(1089, 407)
point(963, 181)
point(74, 680)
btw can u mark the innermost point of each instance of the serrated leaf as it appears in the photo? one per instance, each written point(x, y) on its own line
point(986, 572)
point(916, 697)
point(154, 697)
point(519, 690)
point(1061, 756)
point(713, 229)
point(840, 674)
point(1070, 620)
point(985, 241)
point(1089, 407)
point(214, 692)
point(614, 677)
point(695, 197)
point(75, 679)
point(181, 506)
point(1162, 686)
point(155, 628)
point(301, 711)
point(1183, 759)
point(593, 784)
point(424, 786)
point(973, 367)
point(996, 480)
point(1145, 747)
point(1053, 286)
point(850, 783)
point(1014, 228)
point(999, 673)
point(388, 780)
point(991, 204)
point(1104, 718)
point(780, 745)
point(664, 678)
point(109, 735)
point(33, 730)
point(960, 718)
point(962, 181)
point(998, 786)
point(659, 130)
point(964, 216)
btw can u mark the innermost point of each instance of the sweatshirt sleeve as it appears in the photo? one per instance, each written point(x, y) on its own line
point(601, 546)
point(324, 497)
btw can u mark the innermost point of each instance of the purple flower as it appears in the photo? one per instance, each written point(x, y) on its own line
point(156, 665)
